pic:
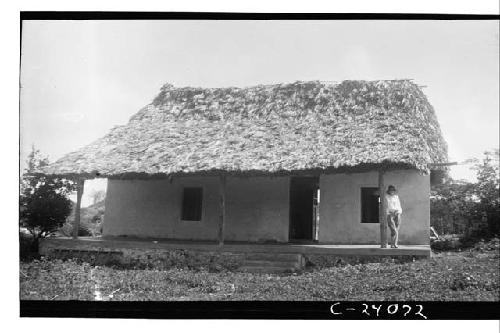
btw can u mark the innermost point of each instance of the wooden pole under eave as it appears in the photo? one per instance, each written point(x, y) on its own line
point(222, 219)
point(381, 214)
point(79, 192)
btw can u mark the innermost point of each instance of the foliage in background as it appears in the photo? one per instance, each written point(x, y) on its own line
point(97, 196)
point(469, 209)
point(91, 220)
point(43, 201)
point(487, 189)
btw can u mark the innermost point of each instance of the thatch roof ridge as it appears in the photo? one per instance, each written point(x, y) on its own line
point(172, 86)
point(269, 128)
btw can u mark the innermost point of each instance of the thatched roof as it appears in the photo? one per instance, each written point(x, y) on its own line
point(268, 129)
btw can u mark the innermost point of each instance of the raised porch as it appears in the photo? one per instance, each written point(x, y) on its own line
point(116, 243)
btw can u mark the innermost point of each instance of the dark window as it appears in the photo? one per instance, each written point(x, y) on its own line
point(192, 203)
point(369, 204)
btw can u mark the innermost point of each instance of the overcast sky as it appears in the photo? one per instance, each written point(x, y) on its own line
point(81, 78)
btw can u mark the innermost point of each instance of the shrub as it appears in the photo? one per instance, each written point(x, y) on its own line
point(43, 201)
point(91, 220)
point(84, 230)
point(28, 248)
point(471, 209)
point(461, 281)
point(43, 208)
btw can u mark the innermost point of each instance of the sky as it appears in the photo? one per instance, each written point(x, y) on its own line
point(81, 78)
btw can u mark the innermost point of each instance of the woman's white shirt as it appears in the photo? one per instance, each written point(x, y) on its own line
point(393, 204)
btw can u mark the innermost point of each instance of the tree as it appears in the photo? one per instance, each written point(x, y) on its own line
point(487, 172)
point(44, 203)
point(452, 204)
point(487, 189)
point(465, 207)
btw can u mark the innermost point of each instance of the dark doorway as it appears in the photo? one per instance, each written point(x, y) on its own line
point(303, 208)
point(369, 205)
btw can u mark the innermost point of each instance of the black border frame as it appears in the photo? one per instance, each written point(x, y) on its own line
point(261, 310)
point(246, 309)
point(111, 15)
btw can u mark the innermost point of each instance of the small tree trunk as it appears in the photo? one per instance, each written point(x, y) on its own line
point(79, 193)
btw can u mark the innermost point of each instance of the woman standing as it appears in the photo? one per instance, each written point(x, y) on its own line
point(393, 212)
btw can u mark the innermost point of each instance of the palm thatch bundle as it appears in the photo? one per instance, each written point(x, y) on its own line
point(271, 129)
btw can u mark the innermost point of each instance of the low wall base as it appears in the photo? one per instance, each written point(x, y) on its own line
point(156, 255)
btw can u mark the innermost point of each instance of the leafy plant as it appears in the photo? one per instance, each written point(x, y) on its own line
point(469, 209)
point(43, 200)
point(84, 229)
point(487, 189)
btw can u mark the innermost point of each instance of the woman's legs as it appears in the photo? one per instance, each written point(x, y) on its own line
point(397, 223)
point(394, 221)
point(392, 227)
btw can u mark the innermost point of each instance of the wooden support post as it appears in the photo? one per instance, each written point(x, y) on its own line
point(79, 193)
point(381, 215)
point(222, 219)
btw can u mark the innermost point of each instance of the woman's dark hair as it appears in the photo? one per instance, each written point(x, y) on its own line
point(391, 188)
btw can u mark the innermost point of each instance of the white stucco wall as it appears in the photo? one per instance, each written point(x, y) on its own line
point(256, 209)
point(340, 207)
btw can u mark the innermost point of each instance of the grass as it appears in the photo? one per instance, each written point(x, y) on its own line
point(471, 275)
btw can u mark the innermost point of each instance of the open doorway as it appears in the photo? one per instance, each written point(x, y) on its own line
point(304, 204)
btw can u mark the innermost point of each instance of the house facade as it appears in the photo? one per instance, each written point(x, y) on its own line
point(300, 162)
point(260, 209)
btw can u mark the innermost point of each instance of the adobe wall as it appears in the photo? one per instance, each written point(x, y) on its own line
point(340, 208)
point(256, 209)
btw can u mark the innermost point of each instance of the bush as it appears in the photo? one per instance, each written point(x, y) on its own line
point(28, 247)
point(456, 243)
point(461, 281)
point(43, 201)
point(446, 244)
point(91, 220)
point(43, 208)
point(471, 209)
point(84, 230)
